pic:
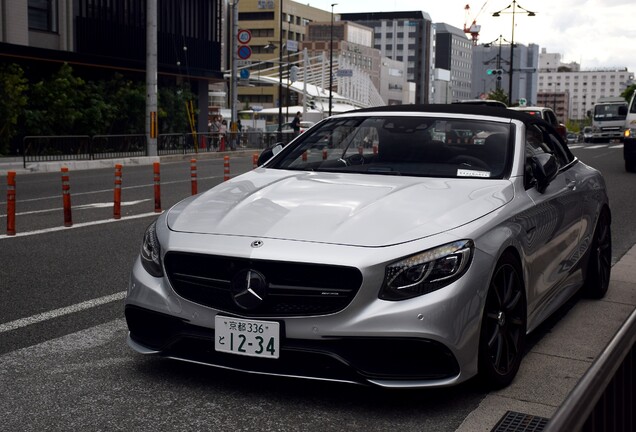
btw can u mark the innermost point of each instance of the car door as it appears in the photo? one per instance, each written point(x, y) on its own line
point(554, 224)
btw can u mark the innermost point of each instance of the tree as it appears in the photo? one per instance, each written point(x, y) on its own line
point(628, 92)
point(58, 105)
point(13, 99)
point(498, 95)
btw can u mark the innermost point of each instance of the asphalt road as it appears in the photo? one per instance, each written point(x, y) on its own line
point(64, 364)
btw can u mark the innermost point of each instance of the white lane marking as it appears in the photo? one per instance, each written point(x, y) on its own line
point(106, 190)
point(79, 225)
point(575, 146)
point(596, 146)
point(45, 316)
point(80, 207)
point(616, 146)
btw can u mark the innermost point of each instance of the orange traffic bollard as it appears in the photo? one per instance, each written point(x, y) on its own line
point(66, 198)
point(226, 168)
point(255, 160)
point(324, 154)
point(193, 176)
point(117, 198)
point(304, 157)
point(157, 180)
point(375, 149)
point(11, 203)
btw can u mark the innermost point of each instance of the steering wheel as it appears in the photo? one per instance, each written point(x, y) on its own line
point(469, 161)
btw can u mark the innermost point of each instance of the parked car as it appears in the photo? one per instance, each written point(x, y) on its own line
point(483, 102)
point(572, 138)
point(546, 114)
point(412, 262)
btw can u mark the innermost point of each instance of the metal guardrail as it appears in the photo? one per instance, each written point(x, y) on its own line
point(604, 400)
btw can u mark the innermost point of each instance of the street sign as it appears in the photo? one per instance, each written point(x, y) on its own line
point(344, 72)
point(244, 73)
point(292, 45)
point(244, 52)
point(257, 108)
point(522, 101)
point(244, 36)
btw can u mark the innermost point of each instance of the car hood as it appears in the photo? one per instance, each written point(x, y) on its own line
point(346, 209)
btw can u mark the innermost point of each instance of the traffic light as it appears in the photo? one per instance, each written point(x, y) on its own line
point(496, 72)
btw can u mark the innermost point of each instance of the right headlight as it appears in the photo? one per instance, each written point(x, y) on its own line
point(151, 251)
point(426, 271)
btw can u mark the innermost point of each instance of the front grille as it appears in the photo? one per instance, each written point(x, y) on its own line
point(294, 289)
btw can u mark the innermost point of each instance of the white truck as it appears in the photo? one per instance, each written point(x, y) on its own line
point(629, 137)
point(608, 119)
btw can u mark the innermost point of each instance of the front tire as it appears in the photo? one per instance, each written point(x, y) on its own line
point(599, 264)
point(503, 328)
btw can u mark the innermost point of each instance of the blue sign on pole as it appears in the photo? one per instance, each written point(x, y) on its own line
point(244, 52)
point(244, 74)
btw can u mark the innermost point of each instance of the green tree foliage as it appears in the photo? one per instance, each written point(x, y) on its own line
point(127, 105)
point(13, 99)
point(173, 115)
point(498, 95)
point(628, 92)
point(66, 104)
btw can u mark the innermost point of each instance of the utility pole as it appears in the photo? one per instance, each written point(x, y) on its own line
point(234, 77)
point(151, 78)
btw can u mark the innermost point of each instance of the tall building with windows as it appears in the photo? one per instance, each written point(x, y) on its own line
point(269, 26)
point(453, 52)
point(573, 92)
point(99, 37)
point(407, 37)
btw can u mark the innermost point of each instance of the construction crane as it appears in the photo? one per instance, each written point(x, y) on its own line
point(473, 29)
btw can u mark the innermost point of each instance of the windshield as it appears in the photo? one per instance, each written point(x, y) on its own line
point(608, 112)
point(405, 145)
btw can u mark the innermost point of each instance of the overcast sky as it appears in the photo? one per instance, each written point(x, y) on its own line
point(594, 33)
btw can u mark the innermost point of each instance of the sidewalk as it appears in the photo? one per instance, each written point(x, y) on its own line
point(560, 358)
point(16, 163)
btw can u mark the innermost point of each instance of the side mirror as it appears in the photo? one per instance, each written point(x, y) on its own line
point(544, 169)
point(268, 153)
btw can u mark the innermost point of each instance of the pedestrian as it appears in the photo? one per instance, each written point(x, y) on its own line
point(295, 124)
point(223, 135)
point(215, 127)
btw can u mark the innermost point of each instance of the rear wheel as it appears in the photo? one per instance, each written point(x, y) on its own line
point(599, 264)
point(503, 328)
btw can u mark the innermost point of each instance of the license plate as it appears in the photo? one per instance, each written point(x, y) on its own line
point(247, 337)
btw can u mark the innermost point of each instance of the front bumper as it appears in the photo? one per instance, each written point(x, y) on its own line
point(428, 341)
point(346, 359)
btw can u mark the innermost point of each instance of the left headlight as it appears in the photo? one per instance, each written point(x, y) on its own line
point(151, 251)
point(426, 271)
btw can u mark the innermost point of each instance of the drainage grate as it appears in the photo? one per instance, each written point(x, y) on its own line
point(519, 422)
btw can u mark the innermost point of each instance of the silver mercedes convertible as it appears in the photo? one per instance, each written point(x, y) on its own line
point(402, 246)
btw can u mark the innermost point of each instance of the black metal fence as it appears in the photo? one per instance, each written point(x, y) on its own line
point(604, 399)
point(84, 147)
